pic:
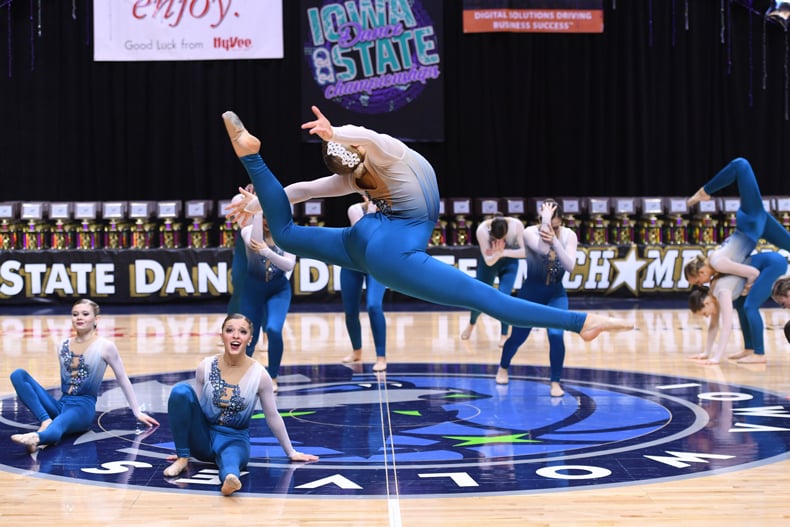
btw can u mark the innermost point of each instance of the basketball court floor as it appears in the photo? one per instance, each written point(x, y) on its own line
point(642, 436)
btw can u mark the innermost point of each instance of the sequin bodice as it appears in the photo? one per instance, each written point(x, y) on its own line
point(81, 374)
point(229, 404)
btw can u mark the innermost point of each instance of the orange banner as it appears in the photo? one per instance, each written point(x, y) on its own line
point(533, 20)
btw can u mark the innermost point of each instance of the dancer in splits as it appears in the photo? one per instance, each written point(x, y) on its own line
point(551, 252)
point(501, 244)
point(390, 244)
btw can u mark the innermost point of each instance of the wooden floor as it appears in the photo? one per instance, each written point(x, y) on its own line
point(152, 343)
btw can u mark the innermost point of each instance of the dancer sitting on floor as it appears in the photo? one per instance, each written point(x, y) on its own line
point(83, 360)
point(212, 420)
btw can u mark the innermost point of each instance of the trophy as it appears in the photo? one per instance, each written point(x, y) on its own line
point(461, 228)
point(781, 209)
point(117, 234)
point(169, 229)
point(729, 209)
point(514, 207)
point(62, 233)
point(142, 230)
point(88, 228)
point(199, 227)
point(571, 208)
point(676, 227)
point(314, 212)
point(34, 233)
point(439, 234)
point(650, 225)
point(227, 227)
point(623, 226)
point(597, 231)
point(9, 235)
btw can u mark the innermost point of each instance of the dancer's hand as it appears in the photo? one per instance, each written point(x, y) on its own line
point(298, 456)
point(320, 127)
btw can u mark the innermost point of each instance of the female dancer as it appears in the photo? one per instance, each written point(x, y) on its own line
point(501, 245)
point(212, 420)
point(351, 294)
point(725, 293)
point(551, 252)
point(83, 360)
point(265, 297)
point(752, 222)
point(390, 245)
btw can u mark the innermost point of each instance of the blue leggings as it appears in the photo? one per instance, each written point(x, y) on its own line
point(266, 304)
point(70, 415)
point(771, 265)
point(550, 295)
point(392, 249)
point(506, 269)
point(351, 293)
point(228, 447)
point(751, 219)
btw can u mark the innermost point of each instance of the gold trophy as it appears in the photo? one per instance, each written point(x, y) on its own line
point(34, 234)
point(676, 226)
point(143, 229)
point(199, 227)
point(439, 234)
point(62, 232)
point(88, 229)
point(460, 226)
point(117, 234)
point(597, 230)
point(168, 213)
point(623, 226)
point(651, 224)
point(9, 228)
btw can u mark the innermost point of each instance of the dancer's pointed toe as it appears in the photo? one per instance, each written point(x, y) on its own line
point(244, 143)
point(594, 325)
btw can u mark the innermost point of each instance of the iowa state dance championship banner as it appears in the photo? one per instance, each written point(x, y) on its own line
point(375, 63)
point(533, 16)
point(174, 30)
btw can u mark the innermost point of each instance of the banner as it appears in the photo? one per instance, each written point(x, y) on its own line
point(128, 276)
point(533, 16)
point(375, 64)
point(172, 30)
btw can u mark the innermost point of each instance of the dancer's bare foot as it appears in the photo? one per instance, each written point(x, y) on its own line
point(467, 332)
point(698, 196)
point(356, 356)
point(699, 356)
point(30, 440)
point(244, 143)
point(381, 364)
point(178, 466)
point(230, 485)
point(752, 358)
point(502, 376)
point(556, 390)
point(740, 355)
point(594, 325)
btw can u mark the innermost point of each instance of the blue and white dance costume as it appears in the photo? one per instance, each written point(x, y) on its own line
point(211, 421)
point(752, 220)
point(390, 245)
point(351, 282)
point(546, 267)
point(503, 265)
point(80, 379)
point(265, 292)
point(771, 265)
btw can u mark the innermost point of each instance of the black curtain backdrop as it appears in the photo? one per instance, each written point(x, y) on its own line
point(648, 108)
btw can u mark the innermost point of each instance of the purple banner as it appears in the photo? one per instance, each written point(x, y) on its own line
point(375, 64)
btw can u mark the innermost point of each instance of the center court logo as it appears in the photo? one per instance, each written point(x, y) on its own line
point(425, 430)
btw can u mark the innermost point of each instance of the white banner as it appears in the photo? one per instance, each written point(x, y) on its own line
point(155, 30)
